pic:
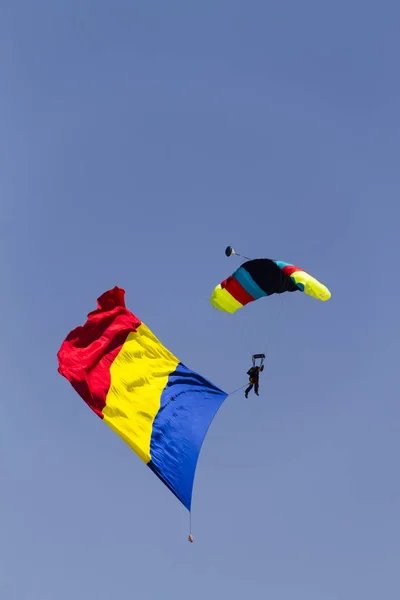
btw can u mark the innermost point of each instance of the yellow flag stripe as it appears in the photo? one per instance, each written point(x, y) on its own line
point(139, 375)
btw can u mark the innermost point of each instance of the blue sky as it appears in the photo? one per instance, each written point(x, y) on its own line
point(138, 140)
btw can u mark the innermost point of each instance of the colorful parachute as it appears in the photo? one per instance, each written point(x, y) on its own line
point(158, 406)
point(263, 277)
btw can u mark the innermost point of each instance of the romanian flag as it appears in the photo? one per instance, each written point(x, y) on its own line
point(158, 406)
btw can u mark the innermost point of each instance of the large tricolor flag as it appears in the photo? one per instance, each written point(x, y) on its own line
point(141, 390)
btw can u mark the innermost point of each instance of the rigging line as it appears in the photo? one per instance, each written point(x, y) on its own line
point(238, 389)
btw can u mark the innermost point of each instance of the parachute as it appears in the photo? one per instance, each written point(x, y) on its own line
point(261, 277)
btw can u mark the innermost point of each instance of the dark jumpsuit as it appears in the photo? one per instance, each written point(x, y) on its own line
point(254, 379)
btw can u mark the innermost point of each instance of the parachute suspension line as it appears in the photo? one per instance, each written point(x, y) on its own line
point(272, 328)
point(280, 310)
point(244, 326)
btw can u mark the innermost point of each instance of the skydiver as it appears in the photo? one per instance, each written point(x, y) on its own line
point(253, 374)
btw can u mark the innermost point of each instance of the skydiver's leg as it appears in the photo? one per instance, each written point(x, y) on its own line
point(256, 388)
point(246, 393)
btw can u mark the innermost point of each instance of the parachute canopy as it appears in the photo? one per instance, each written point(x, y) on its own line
point(264, 277)
point(158, 406)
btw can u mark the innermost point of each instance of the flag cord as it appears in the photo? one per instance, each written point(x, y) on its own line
point(190, 536)
point(237, 390)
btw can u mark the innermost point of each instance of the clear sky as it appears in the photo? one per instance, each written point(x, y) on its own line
point(138, 139)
